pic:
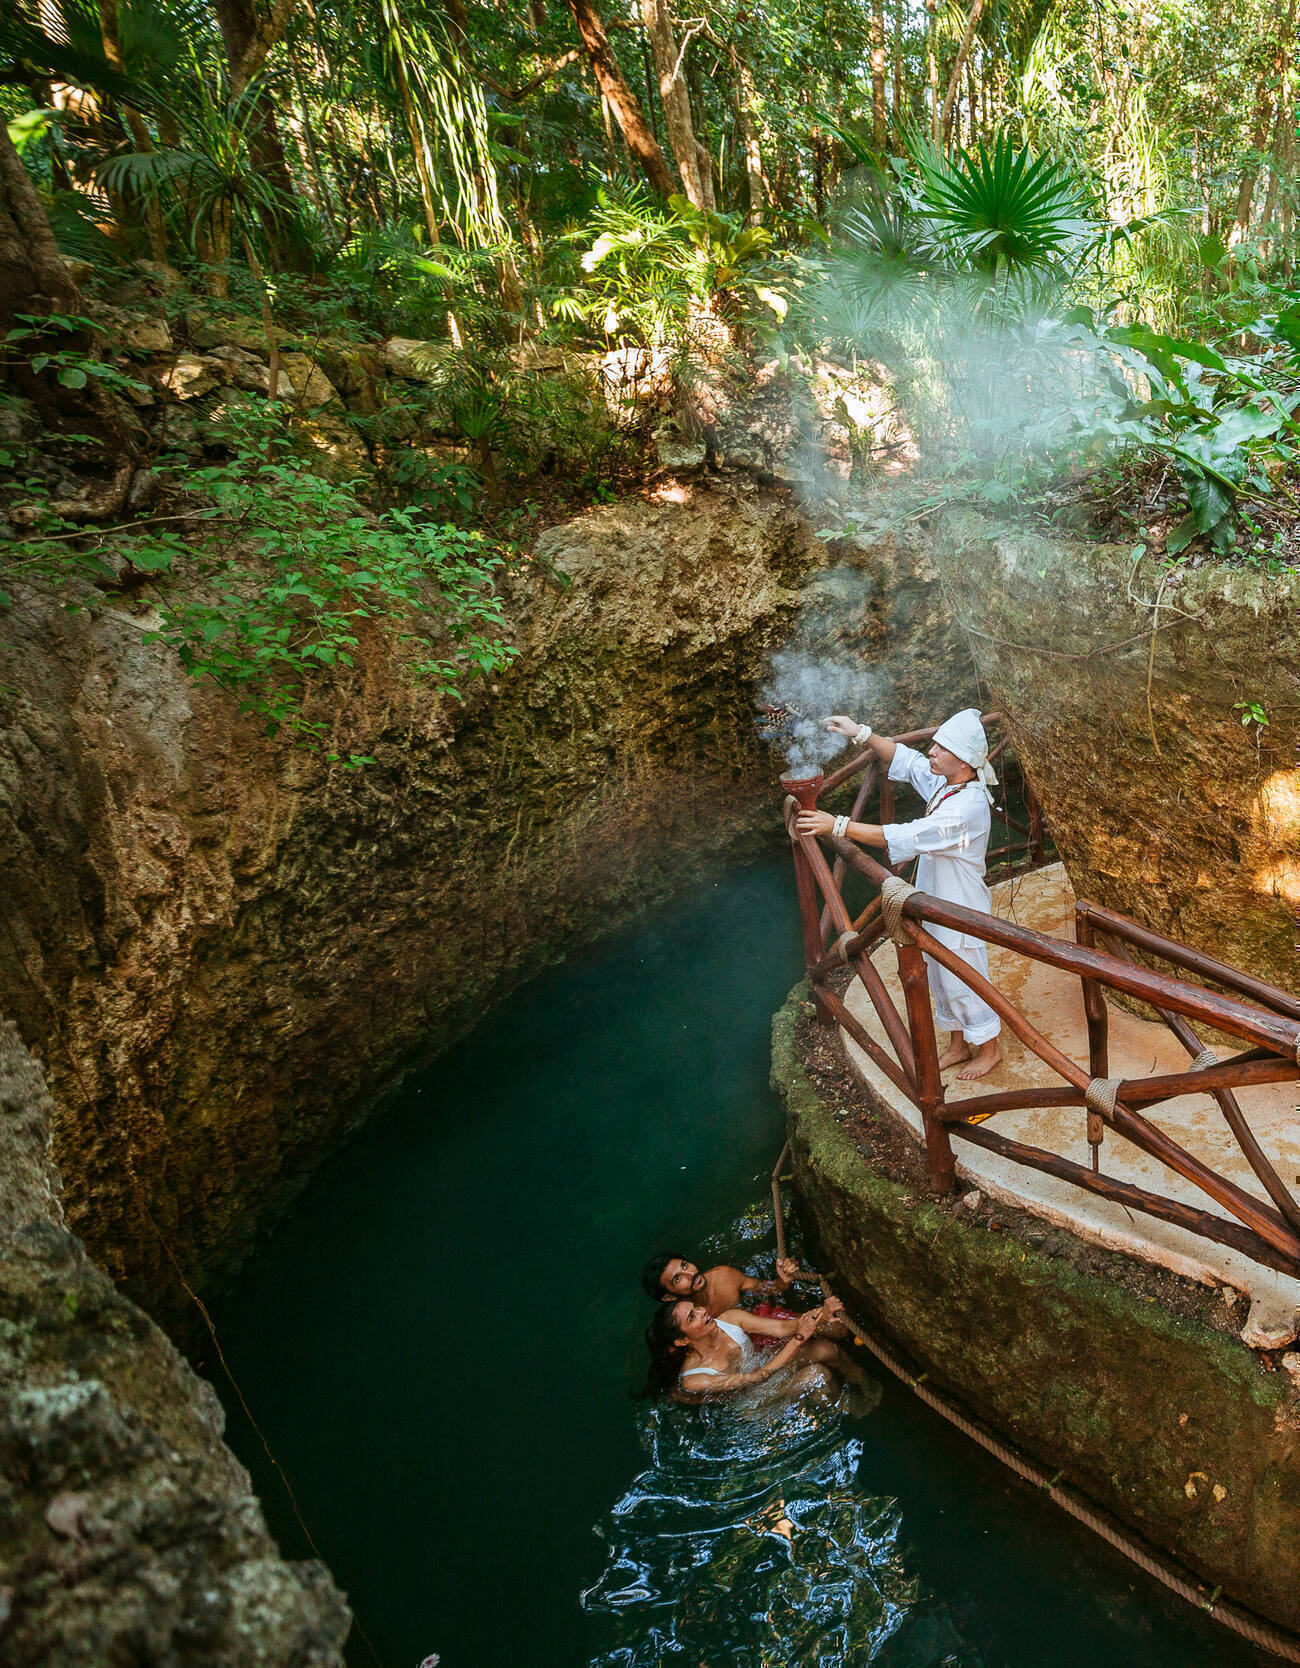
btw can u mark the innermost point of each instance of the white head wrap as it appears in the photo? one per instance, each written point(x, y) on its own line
point(963, 736)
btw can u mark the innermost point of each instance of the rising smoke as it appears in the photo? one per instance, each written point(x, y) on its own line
point(984, 373)
point(803, 690)
point(822, 670)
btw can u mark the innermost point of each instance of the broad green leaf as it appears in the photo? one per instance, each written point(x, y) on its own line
point(1210, 503)
point(1181, 535)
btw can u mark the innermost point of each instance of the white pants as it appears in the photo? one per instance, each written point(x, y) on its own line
point(956, 1006)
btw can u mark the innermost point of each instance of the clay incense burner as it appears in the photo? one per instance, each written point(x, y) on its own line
point(804, 789)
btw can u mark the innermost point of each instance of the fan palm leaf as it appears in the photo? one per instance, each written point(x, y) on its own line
point(1000, 208)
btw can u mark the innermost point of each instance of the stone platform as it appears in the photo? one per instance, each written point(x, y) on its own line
point(1052, 1000)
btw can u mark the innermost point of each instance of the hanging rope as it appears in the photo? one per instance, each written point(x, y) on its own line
point(1240, 1621)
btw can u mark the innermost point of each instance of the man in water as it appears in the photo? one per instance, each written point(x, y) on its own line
point(950, 841)
point(668, 1276)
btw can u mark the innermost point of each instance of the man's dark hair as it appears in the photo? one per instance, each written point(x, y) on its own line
point(652, 1275)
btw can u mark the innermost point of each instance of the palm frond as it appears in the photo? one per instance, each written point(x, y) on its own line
point(1000, 207)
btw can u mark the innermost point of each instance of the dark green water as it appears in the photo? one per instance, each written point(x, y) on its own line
point(439, 1344)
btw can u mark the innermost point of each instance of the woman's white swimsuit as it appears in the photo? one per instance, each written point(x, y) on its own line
point(748, 1354)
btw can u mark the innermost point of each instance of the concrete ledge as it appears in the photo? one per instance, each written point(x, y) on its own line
point(1052, 1000)
point(1169, 1424)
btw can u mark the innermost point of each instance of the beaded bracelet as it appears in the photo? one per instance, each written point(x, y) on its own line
point(840, 827)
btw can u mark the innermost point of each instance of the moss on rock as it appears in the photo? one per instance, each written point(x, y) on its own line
point(1170, 1425)
point(128, 1530)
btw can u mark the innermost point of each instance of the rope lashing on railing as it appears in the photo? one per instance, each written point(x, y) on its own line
point(1206, 1058)
point(1240, 1622)
point(841, 944)
point(894, 893)
point(1102, 1095)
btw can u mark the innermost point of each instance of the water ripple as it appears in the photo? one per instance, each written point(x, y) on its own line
point(748, 1541)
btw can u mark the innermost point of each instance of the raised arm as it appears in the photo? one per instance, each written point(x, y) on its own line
point(882, 746)
point(787, 1271)
point(772, 1326)
point(719, 1384)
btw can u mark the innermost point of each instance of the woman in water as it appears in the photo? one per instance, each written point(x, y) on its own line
point(692, 1355)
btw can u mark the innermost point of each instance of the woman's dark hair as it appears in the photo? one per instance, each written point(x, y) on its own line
point(652, 1275)
point(665, 1358)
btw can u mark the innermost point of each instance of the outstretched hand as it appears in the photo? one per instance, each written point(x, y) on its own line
point(806, 1325)
point(786, 1270)
point(813, 822)
point(842, 725)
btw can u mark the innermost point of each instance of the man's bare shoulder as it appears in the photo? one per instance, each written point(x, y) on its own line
point(724, 1285)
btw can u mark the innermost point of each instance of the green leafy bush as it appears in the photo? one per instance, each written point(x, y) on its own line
point(1224, 423)
point(276, 573)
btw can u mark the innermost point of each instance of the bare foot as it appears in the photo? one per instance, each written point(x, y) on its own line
point(958, 1049)
point(984, 1060)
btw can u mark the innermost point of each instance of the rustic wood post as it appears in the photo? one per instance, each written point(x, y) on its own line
point(809, 914)
point(929, 1089)
point(1098, 1017)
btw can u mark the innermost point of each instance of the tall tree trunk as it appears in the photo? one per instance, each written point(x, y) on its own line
point(141, 138)
point(932, 65)
point(747, 123)
point(878, 74)
point(818, 144)
point(697, 182)
point(250, 29)
point(710, 182)
point(1250, 173)
point(623, 101)
point(1268, 218)
point(32, 271)
point(898, 65)
point(1273, 79)
point(34, 279)
point(963, 51)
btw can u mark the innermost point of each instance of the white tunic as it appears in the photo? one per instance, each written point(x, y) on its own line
point(950, 843)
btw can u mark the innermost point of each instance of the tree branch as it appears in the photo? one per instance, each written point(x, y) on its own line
point(515, 94)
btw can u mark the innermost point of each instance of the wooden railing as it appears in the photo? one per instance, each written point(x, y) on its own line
point(1268, 1022)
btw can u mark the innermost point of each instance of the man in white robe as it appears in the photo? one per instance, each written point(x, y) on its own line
point(950, 842)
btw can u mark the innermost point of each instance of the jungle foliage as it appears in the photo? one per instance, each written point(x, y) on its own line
point(1067, 230)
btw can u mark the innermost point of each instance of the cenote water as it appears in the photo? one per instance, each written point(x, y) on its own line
point(439, 1344)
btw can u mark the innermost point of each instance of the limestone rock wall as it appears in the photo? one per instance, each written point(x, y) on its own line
point(128, 1531)
point(221, 947)
point(1162, 802)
